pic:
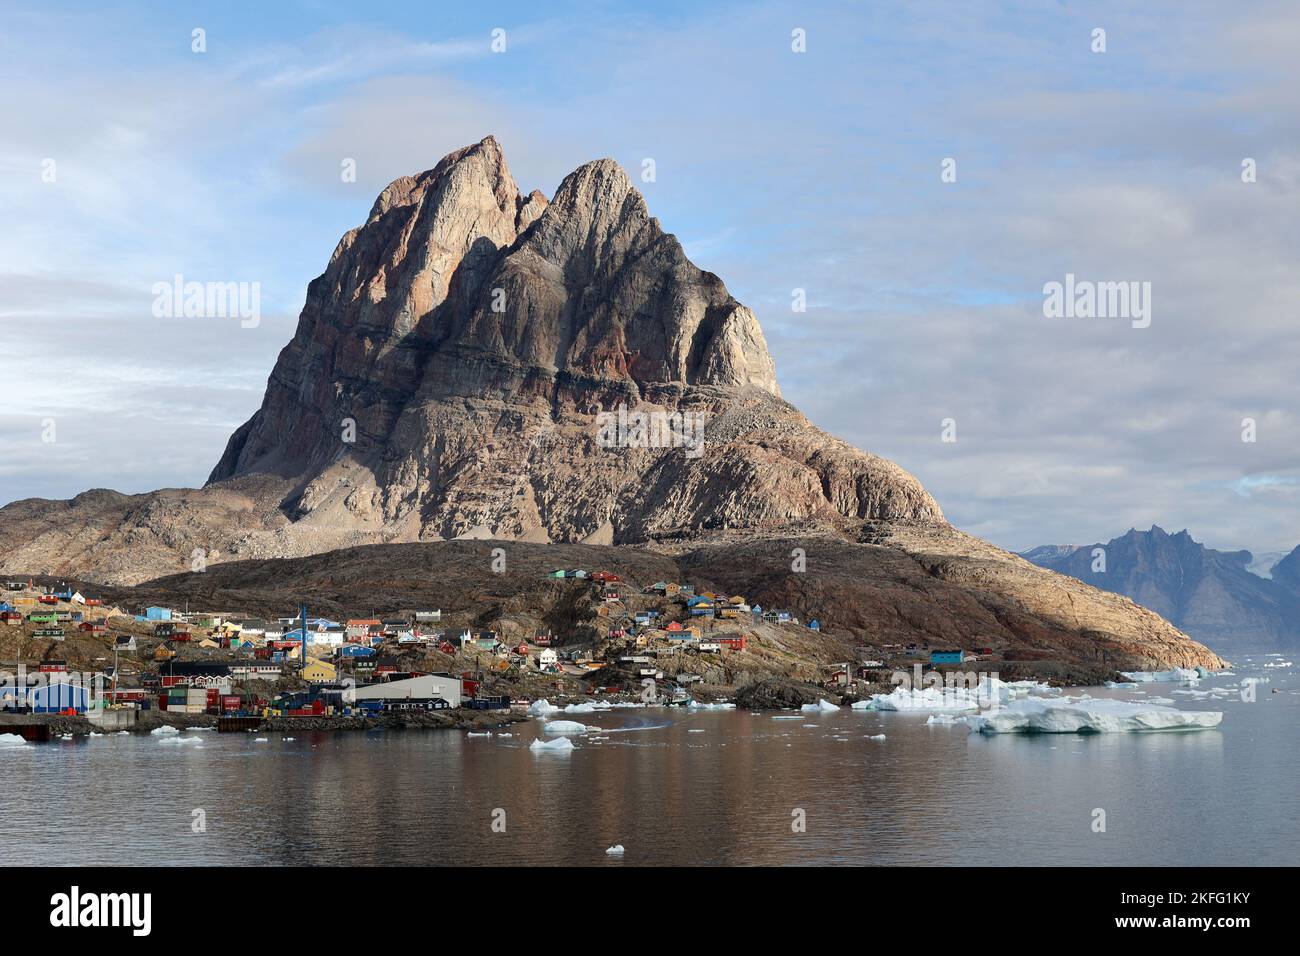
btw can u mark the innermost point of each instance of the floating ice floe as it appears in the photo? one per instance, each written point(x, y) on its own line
point(1180, 674)
point(586, 707)
point(700, 705)
point(1279, 664)
point(989, 691)
point(788, 716)
point(615, 850)
point(1117, 684)
point(164, 729)
point(9, 741)
point(1071, 715)
point(822, 706)
point(558, 745)
point(696, 730)
point(499, 735)
point(943, 719)
point(472, 734)
point(876, 737)
point(564, 727)
point(540, 708)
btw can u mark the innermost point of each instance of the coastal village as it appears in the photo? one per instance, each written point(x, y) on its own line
point(662, 642)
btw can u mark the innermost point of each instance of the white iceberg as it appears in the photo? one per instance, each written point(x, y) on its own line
point(822, 706)
point(586, 707)
point(922, 699)
point(558, 745)
point(472, 734)
point(164, 729)
point(615, 850)
point(697, 705)
point(1181, 674)
point(943, 719)
point(564, 727)
point(540, 708)
point(1071, 715)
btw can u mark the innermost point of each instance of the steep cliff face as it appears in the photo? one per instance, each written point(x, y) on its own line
point(469, 339)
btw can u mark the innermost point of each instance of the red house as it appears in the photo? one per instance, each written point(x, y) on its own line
point(735, 643)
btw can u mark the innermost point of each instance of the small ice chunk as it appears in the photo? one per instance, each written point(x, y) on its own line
point(540, 708)
point(558, 745)
point(564, 727)
point(164, 729)
point(698, 705)
point(822, 706)
point(615, 850)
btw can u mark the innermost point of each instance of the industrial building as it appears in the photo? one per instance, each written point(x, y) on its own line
point(425, 687)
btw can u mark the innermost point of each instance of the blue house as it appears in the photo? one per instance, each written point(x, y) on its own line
point(356, 650)
point(946, 657)
point(814, 625)
point(157, 614)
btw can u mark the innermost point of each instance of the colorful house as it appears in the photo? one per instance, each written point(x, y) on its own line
point(946, 657)
point(318, 672)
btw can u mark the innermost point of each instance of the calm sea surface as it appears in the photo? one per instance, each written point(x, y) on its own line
point(678, 787)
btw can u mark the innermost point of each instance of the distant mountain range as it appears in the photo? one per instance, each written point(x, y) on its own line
point(1211, 595)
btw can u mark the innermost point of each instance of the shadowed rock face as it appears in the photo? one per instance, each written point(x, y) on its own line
point(459, 370)
point(1208, 593)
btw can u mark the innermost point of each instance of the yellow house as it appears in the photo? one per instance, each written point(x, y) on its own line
point(318, 671)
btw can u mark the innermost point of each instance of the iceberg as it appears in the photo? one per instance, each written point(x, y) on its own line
point(558, 745)
point(564, 727)
point(1072, 715)
point(697, 705)
point(586, 707)
point(922, 699)
point(540, 708)
point(1183, 674)
point(164, 729)
point(822, 706)
point(988, 691)
point(615, 850)
point(947, 719)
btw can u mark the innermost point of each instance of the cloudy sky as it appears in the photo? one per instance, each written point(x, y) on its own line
point(778, 171)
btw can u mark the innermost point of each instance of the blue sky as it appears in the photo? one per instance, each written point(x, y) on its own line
point(777, 170)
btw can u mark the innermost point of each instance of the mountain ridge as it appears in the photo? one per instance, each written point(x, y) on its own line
point(1210, 594)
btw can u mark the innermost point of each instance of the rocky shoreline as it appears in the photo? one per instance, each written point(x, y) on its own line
point(151, 720)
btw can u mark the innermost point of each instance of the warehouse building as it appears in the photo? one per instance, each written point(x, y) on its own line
point(414, 688)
